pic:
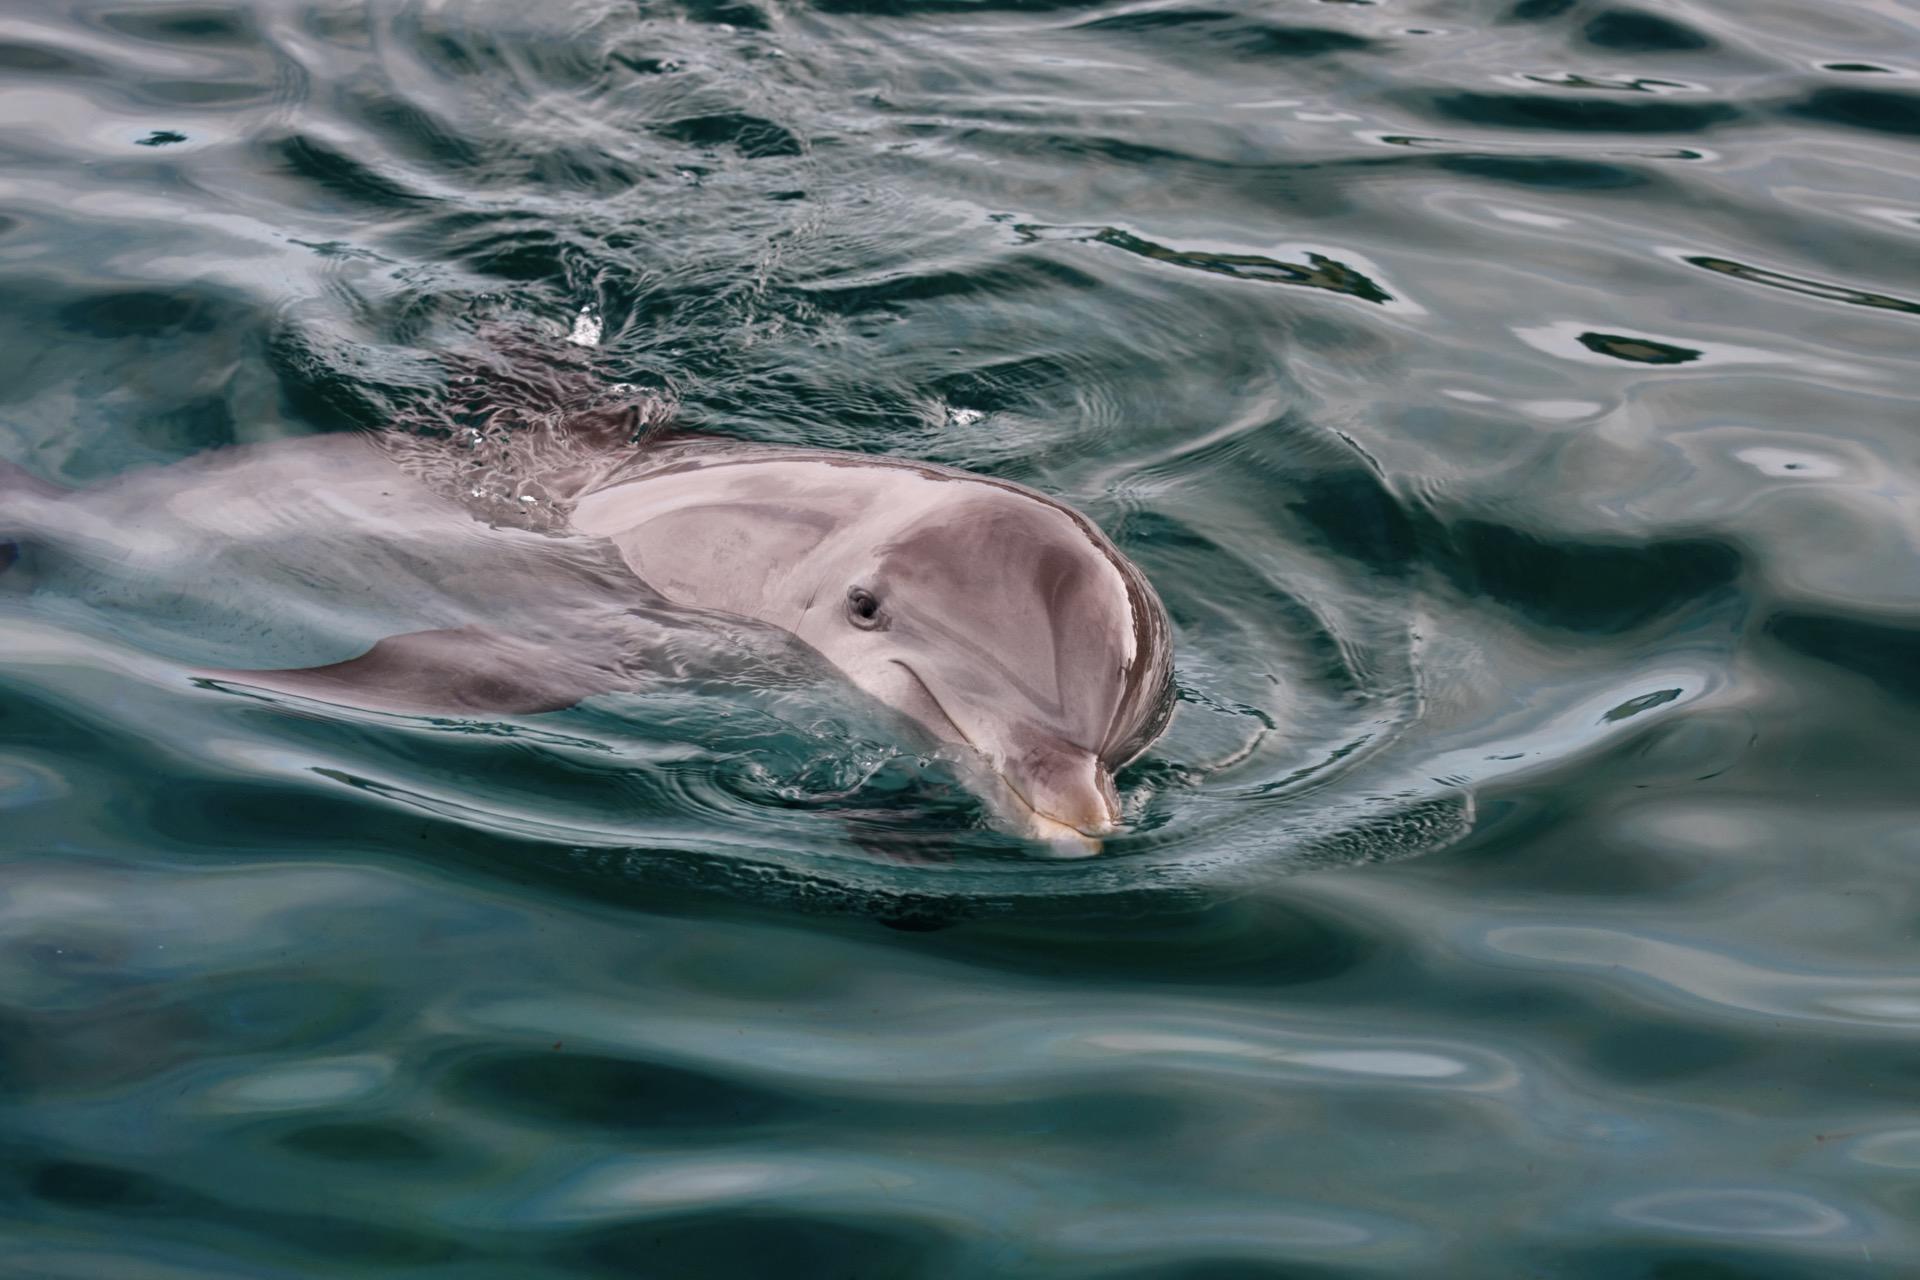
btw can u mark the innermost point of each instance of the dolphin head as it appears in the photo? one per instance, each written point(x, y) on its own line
point(1003, 622)
point(1009, 625)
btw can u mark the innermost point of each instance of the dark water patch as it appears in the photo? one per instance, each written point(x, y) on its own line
point(1099, 1118)
point(1007, 279)
point(585, 170)
point(161, 138)
point(1318, 654)
point(1645, 702)
point(517, 57)
point(1100, 148)
point(418, 132)
point(27, 716)
point(1587, 587)
point(91, 1187)
point(374, 1145)
point(729, 13)
point(912, 8)
point(1318, 272)
point(1659, 1052)
point(33, 59)
point(468, 53)
point(271, 1011)
point(1227, 1267)
point(149, 314)
point(1563, 173)
point(340, 175)
point(207, 93)
point(1659, 1257)
point(1636, 350)
point(189, 24)
point(73, 1184)
point(742, 1243)
point(1563, 867)
point(1597, 115)
point(751, 136)
point(647, 64)
point(329, 384)
point(1607, 84)
point(1356, 515)
point(78, 1054)
point(1031, 384)
point(1539, 10)
point(1885, 653)
point(204, 422)
point(1878, 110)
point(69, 1057)
point(1238, 33)
point(1253, 943)
point(1800, 284)
point(258, 814)
point(512, 246)
point(1637, 31)
point(599, 1093)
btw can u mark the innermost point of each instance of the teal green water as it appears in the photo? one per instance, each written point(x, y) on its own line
point(1513, 403)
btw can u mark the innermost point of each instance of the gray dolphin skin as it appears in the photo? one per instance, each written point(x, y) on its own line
point(1002, 622)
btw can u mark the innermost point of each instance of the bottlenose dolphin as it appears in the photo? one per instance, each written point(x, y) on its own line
point(464, 581)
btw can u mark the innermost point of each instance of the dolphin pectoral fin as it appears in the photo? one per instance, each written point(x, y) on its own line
point(462, 671)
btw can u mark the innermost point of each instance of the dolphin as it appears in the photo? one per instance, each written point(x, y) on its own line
point(1003, 623)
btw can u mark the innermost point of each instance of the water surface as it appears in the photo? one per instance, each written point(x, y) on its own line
point(1513, 403)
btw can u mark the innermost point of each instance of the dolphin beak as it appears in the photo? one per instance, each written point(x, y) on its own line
point(1068, 794)
point(1052, 790)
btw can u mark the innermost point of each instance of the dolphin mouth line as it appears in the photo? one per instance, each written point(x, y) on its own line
point(1018, 794)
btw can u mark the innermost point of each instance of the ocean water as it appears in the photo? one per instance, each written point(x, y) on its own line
point(1513, 401)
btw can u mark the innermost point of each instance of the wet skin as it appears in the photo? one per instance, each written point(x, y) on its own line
point(997, 620)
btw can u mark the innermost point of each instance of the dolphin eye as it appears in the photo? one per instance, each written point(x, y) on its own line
point(863, 608)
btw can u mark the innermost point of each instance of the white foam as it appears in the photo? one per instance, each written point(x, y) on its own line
point(587, 328)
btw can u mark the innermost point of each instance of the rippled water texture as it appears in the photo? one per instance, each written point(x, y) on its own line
point(1513, 403)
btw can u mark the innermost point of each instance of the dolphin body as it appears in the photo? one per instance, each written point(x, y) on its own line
point(1000, 621)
